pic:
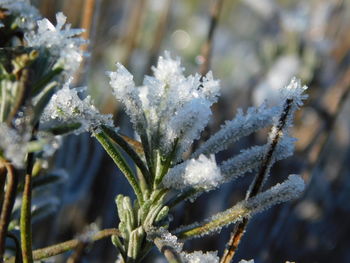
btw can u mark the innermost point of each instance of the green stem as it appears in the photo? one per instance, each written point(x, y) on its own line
point(116, 156)
point(217, 222)
point(68, 245)
point(165, 167)
point(130, 151)
point(25, 221)
point(148, 155)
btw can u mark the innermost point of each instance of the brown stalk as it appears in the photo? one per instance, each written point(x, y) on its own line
point(208, 45)
point(257, 184)
point(86, 24)
point(133, 29)
point(7, 206)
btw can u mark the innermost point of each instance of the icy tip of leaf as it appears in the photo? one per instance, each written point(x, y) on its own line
point(294, 91)
point(120, 79)
point(297, 183)
point(167, 67)
point(66, 106)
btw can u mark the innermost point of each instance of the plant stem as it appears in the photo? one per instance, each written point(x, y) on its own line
point(257, 184)
point(25, 221)
point(210, 226)
point(116, 156)
point(68, 245)
point(7, 206)
point(170, 253)
point(18, 257)
point(207, 46)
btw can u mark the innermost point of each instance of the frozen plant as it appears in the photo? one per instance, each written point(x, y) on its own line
point(168, 112)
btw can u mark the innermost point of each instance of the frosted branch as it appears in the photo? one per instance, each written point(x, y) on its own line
point(286, 191)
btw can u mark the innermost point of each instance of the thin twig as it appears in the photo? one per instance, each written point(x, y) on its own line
point(78, 253)
point(9, 200)
point(86, 21)
point(257, 184)
point(60, 248)
point(2, 184)
point(208, 45)
point(18, 257)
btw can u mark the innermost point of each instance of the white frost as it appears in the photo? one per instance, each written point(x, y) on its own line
point(26, 14)
point(67, 107)
point(13, 144)
point(198, 173)
point(168, 106)
point(200, 257)
point(62, 41)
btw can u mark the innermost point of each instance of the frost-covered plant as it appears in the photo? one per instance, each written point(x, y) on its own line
point(168, 111)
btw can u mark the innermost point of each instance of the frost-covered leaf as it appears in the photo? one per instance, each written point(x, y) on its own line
point(195, 173)
point(62, 42)
point(169, 106)
point(67, 107)
point(13, 144)
point(286, 191)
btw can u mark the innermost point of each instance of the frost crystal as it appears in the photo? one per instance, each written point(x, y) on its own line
point(294, 91)
point(201, 173)
point(171, 106)
point(200, 257)
point(62, 41)
point(25, 13)
point(13, 145)
point(66, 106)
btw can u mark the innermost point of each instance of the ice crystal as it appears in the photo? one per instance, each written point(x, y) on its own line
point(62, 41)
point(13, 144)
point(26, 14)
point(295, 92)
point(200, 257)
point(67, 107)
point(171, 106)
point(197, 173)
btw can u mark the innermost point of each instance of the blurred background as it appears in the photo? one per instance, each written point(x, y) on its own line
point(254, 47)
